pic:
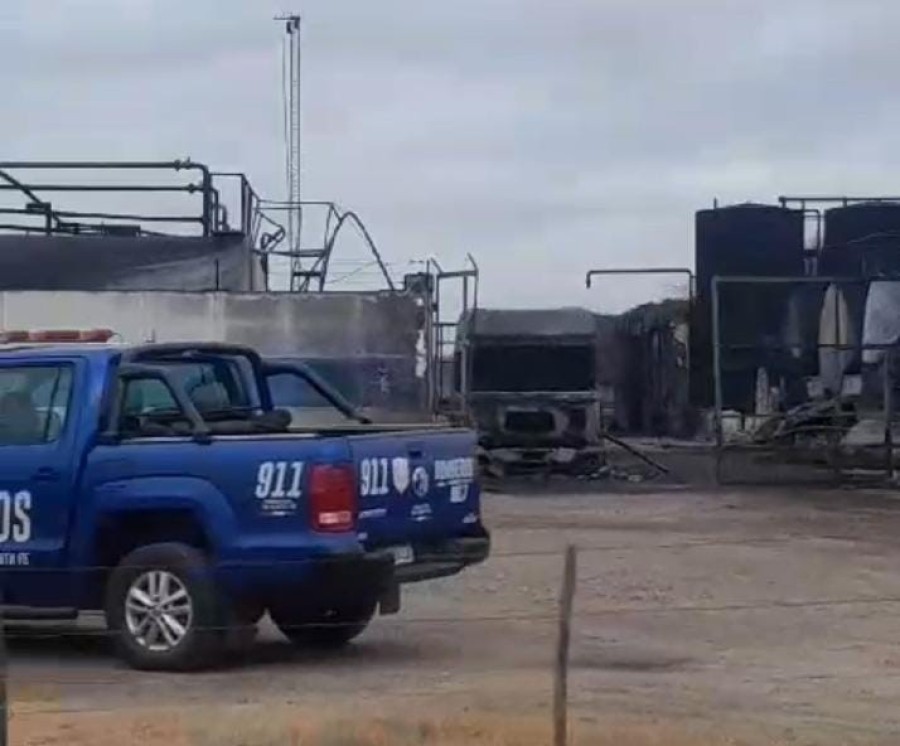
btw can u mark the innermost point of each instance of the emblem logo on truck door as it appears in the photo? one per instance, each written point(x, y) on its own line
point(400, 471)
point(420, 481)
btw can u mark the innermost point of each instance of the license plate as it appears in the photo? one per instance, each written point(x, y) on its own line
point(402, 555)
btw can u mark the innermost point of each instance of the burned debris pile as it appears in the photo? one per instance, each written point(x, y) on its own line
point(551, 391)
point(532, 388)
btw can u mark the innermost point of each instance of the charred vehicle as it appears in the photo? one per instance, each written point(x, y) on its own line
point(530, 382)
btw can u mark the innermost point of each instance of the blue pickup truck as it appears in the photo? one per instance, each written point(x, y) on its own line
point(160, 485)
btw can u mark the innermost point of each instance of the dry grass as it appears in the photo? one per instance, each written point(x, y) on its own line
point(263, 726)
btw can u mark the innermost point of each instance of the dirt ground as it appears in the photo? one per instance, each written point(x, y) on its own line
point(742, 617)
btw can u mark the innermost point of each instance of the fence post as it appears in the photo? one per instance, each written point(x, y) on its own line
point(4, 669)
point(889, 413)
point(561, 679)
point(717, 378)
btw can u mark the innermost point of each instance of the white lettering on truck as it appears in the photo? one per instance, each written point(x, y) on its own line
point(15, 517)
point(373, 477)
point(454, 470)
point(279, 485)
point(457, 474)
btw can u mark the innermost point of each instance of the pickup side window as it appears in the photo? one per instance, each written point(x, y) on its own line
point(148, 396)
point(291, 391)
point(149, 409)
point(34, 403)
point(215, 386)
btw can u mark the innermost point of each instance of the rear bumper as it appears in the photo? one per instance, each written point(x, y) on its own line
point(315, 583)
point(444, 559)
point(364, 577)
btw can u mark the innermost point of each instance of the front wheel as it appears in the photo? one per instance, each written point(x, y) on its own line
point(328, 630)
point(163, 609)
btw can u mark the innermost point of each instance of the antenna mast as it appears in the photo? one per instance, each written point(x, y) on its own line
point(292, 103)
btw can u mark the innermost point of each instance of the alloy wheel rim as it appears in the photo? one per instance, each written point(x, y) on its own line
point(158, 611)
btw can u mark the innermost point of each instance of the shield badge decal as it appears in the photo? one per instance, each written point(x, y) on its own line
point(420, 481)
point(400, 472)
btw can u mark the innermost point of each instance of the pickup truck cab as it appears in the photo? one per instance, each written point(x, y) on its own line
point(158, 484)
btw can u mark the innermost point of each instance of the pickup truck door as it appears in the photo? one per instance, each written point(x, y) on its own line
point(37, 463)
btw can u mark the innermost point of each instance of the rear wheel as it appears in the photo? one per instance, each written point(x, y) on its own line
point(163, 609)
point(324, 630)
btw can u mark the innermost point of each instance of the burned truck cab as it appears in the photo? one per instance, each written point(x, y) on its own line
point(530, 383)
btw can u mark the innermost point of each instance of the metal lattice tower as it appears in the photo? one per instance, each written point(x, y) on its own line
point(309, 263)
point(292, 61)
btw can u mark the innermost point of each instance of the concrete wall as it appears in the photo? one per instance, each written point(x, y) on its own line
point(376, 341)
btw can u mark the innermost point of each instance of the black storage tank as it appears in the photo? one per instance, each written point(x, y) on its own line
point(742, 240)
point(861, 240)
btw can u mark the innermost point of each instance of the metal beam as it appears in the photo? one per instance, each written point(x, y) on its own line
point(640, 271)
point(189, 188)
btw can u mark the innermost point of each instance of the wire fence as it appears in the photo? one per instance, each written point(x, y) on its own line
point(25, 685)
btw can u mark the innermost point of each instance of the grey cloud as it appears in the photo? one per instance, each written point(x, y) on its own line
point(547, 137)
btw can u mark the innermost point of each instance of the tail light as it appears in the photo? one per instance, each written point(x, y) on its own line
point(332, 503)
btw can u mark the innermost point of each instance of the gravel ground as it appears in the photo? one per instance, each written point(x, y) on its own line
point(769, 616)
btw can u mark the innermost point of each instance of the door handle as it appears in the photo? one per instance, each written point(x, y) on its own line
point(415, 452)
point(46, 474)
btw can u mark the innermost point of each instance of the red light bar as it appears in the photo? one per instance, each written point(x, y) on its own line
point(56, 335)
point(62, 335)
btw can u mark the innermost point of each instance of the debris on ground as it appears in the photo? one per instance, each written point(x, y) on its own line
point(830, 418)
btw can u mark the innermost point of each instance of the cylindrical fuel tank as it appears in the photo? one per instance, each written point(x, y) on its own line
point(749, 240)
point(881, 326)
point(840, 333)
point(861, 240)
point(800, 328)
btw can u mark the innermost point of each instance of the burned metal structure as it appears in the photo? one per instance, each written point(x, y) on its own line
point(206, 230)
point(788, 340)
point(652, 388)
point(174, 249)
point(747, 240)
point(650, 356)
point(85, 226)
point(813, 380)
point(531, 381)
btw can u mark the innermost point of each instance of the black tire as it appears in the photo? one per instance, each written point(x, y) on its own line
point(325, 630)
point(202, 643)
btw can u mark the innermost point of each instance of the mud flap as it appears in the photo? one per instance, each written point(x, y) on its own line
point(389, 603)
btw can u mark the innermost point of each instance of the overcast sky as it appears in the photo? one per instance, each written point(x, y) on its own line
point(546, 137)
